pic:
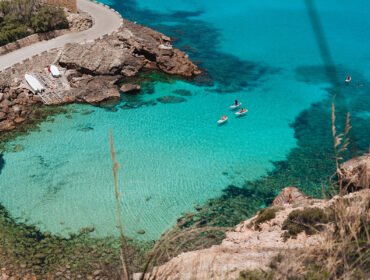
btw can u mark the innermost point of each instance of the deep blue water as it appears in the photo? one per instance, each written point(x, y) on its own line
point(174, 156)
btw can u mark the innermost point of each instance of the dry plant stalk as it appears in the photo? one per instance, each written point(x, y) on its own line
point(123, 244)
point(341, 141)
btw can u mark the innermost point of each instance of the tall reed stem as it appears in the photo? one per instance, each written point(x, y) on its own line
point(123, 244)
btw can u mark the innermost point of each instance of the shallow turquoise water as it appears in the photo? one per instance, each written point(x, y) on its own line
point(174, 156)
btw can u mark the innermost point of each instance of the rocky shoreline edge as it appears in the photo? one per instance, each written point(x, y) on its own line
point(91, 71)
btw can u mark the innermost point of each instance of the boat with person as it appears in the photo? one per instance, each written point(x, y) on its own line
point(348, 79)
point(234, 106)
point(222, 120)
point(241, 112)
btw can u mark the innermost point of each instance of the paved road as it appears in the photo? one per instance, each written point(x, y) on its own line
point(105, 21)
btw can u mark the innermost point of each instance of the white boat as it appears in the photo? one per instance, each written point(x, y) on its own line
point(240, 113)
point(34, 83)
point(222, 120)
point(234, 106)
point(54, 71)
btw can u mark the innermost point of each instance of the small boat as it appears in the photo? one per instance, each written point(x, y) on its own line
point(34, 83)
point(240, 113)
point(234, 106)
point(54, 71)
point(348, 79)
point(222, 120)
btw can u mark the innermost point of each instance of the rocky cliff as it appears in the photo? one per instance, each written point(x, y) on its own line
point(283, 236)
point(133, 48)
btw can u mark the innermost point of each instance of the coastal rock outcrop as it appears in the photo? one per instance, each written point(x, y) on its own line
point(78, 22)
point(94, 90)
point(132, 48)
point(99, 58)
point(14, 106)
point(290, 195)
point(130, 88)
point(354, 174)
point(294, 228)
point(248, 248)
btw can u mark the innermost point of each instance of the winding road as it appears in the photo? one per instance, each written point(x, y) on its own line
point(105, 21)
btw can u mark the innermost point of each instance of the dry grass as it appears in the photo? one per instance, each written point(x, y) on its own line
point(348, 252)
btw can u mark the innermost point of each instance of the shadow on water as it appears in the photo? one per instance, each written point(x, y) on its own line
point(2, 162)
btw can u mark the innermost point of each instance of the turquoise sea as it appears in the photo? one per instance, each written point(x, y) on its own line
point(174, 156)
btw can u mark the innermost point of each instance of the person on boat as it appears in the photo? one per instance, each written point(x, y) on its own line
point(241, 110)
point(236, 102)
point(348, 79)
point(223, 118)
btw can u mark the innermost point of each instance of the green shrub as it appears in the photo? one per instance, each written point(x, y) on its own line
point(20, 18)
point(255, 275)
point(309, 220)
point(265, 215)
point(48, 18)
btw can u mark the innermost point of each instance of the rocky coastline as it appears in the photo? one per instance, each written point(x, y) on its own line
point(92, 71)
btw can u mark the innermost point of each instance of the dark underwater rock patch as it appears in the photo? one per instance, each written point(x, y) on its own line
point(85, 129)
point(87, 112)
point(110, 109)
point(18, 148)
point(2, 162)
point(137, 104)
point(171, 99)
point(182, 92)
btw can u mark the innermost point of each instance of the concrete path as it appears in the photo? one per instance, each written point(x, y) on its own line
point(105, 21)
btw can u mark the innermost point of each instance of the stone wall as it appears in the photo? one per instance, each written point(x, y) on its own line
point(69, 4)
point(29, 40)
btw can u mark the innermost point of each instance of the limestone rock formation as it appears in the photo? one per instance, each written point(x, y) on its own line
point(354, 174)
point(127, 51)
point(130, 88)
point(98, 58)
point(94, 90)
point(78, 21)
point(290, 193)
point(246, 248)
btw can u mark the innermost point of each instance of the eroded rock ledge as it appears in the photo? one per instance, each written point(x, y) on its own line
point(249, 247)
point(91, 70)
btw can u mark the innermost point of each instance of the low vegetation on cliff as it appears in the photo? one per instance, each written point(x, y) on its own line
point(20, 18)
